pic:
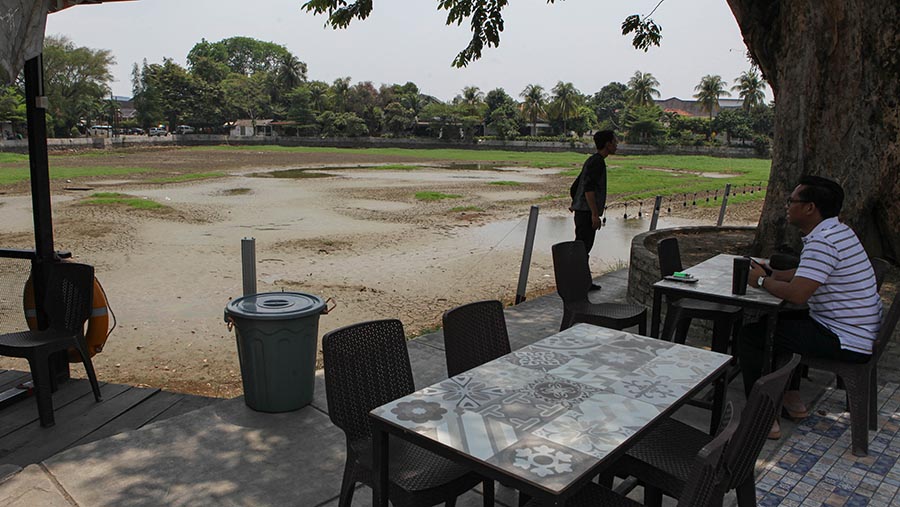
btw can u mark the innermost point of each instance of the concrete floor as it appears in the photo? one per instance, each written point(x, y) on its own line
point(226, 454)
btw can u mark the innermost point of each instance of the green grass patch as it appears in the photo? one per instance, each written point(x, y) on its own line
point(391, 167)
point(532, 159)
point(646, 176)
point(292, 174)
point(551, 197)
point(13, 158)
point(113, 198)
point(466, 208)
point(506, 183)
point(188, 177)
point(237, 191)
point(16, 174)
point(435, 196)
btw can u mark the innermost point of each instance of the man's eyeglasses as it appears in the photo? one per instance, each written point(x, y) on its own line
point(792, 201)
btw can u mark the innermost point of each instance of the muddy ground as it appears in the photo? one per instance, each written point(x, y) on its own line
point(357, 235)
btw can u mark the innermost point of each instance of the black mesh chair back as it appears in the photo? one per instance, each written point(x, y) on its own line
point(763, 405)
point(366, 366)
point(573, 275)
point(67, 302)
point(881, 267)
point(888, 325)
point(705, 487)
point(669, 257)
point(68, 297)
point(573, 281)
point(473, 335)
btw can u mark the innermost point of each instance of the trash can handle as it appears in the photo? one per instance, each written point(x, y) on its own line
point(229, 322)
point(333, 306)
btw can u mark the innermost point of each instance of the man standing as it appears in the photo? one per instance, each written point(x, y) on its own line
point(589, 200)
point(834, 278)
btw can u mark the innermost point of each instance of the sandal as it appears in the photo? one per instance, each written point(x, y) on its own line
point(775, 432)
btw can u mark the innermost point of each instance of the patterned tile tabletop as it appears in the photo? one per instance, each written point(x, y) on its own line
point(550, 411)
point(714, 278)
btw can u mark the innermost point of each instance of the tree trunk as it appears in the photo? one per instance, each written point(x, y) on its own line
point(834, 68)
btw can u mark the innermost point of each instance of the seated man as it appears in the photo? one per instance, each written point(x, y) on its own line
point(834, 278)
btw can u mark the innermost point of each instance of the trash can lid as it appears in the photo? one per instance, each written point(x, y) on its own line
point(276, 306)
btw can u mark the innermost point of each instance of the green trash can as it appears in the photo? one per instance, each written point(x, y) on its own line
point(276, 336)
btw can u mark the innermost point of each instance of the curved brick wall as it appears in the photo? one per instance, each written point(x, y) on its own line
point(696, 244)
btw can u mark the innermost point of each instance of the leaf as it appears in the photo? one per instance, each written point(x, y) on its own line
point(646, 32)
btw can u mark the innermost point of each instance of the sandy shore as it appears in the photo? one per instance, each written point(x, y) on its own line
point(356, 235)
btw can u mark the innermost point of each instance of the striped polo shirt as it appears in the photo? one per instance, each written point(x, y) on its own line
point(847, 301)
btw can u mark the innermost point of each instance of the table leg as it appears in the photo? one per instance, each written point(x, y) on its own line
point(380, 466)
point(657, 310)
point(769, 350)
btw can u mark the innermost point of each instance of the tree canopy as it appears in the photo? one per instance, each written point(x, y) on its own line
point(834, 62)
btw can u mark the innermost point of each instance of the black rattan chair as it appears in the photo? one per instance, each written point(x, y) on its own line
point(726, 319)
point(67, 303)
point(703, 490)
point(861, 382)
point(366, 366)
point(663, 459)
point(473, 335)
point(573, 281)
point(881, 267)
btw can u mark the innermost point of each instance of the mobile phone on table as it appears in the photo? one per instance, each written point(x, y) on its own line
point(767, 269)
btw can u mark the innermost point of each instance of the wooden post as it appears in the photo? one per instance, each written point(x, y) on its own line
point(655, 218)
point(526, 254)
point(724, 204)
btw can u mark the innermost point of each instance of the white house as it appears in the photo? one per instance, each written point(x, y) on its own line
point(245, 128)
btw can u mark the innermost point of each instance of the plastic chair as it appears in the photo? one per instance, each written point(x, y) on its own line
point(703, 490)
point(861, 382)
point(573, 281)
point(726, 319)
point(662, 460)
point(881, 267)
point(366, 366)
point(473, 335)
point(67, 302)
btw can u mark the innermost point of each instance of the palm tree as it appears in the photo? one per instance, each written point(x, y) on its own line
point(318, 95)
point(472, 96)
point(566, 97)
point(710, 89)
point(339, 91)
point(290, 71)
point(642, 89)
point(750, 88)
point(535, 98)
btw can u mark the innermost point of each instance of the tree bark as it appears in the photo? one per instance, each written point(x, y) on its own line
point(834, 68)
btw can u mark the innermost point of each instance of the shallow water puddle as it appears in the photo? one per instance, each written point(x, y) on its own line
point(613, 243)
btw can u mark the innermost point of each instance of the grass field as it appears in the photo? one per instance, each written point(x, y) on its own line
point(633, 177)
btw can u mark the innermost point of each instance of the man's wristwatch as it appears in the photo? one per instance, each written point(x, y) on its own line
point(759, 281)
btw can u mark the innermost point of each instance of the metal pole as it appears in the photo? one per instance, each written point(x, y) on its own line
point(724, 204)
point(35, 111)
point(655, 218)
point(248, 265)
point(526, 255)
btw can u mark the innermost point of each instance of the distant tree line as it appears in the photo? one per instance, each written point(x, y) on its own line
point(245, 78)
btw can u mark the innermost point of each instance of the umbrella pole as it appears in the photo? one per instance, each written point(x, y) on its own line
point(35, 110)
point(36, 116)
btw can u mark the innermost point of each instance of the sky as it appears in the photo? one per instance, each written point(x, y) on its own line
point(577, 41)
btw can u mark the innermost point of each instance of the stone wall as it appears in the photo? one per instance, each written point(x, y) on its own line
point(696, 244)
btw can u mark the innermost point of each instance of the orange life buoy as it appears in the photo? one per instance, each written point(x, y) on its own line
point(97, 327)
